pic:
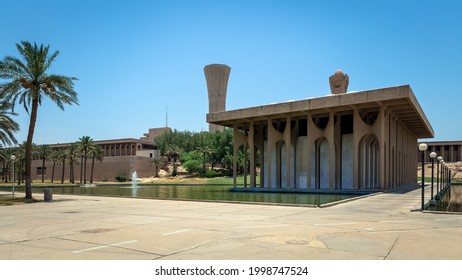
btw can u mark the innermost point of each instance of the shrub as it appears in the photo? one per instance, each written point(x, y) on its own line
point(211, 174)
point(121, 177)
point(193, 166)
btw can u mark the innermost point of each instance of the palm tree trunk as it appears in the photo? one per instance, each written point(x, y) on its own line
point(64, 169)
point(53, 172)
point(81, 168)
point(43, 169)
point(71, 170)
point(30, 136)
point(92, 167)
point(85, 167)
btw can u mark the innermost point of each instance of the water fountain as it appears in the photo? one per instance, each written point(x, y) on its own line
point(134, 184)
point(134, 179)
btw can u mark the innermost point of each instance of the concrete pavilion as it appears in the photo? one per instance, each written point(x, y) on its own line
point(346, 141)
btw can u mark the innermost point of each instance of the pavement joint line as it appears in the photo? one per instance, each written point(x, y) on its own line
point(397, 221)
point(104, 246)
point(449, 219)
point(335, 224)
point(178, 231)
point(267, 226)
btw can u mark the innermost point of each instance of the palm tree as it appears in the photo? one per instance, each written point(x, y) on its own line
point(43, 152)
point(86, 142)
point(28, 83)
point(62, 155)
point(55, 157)
point(156, 162)
point(96, 153)
point(72, 152)
point(173, 151)
point(7, 125)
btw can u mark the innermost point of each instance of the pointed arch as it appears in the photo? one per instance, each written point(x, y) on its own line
point(369, 159)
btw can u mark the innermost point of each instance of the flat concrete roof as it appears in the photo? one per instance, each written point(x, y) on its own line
point(400, 101)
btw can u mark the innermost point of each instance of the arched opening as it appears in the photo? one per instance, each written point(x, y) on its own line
point(301, 162)
point(283, 165)
point(369, 158)
point(324, 164)
point(320, 169)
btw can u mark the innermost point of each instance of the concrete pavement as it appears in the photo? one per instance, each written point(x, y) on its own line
point(84, 227)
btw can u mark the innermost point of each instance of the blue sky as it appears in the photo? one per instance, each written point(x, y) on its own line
point(135, 58)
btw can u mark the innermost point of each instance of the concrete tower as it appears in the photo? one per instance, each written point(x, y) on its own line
point(339, 82)
point(217, 76)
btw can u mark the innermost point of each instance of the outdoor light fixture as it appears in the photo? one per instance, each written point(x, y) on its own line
point(13, 158)
point(423, 148)
point(439, 159)
point(432, 156)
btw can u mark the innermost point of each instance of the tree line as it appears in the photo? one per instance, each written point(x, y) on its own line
point(207, 154)
point(77, 153)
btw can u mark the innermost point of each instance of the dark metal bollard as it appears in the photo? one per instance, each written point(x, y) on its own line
point(47, 194)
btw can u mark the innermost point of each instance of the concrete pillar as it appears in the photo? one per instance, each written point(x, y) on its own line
point(288, 142)
point(382, 149)
point(217, 76)
point(460, 152)
point(252, 155)
point(331, 140)
point(451, 153)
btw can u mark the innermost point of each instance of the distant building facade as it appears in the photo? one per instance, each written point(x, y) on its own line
point(121, 156)
point(346, 141)
point(451, 151)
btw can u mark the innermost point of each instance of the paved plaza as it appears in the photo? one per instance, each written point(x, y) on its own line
point(377, 227)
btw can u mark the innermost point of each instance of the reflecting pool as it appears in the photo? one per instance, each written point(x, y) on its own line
point(449, 200)
point(198, 192)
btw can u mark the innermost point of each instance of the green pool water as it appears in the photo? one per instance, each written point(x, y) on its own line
point(213, 193)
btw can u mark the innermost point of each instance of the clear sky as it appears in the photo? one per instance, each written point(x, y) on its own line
point(135, 58)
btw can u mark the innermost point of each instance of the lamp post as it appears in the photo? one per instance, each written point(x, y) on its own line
point(443, 174)
point(423, 148)
point(13, 158)
point(432, 156)
point(439, 159)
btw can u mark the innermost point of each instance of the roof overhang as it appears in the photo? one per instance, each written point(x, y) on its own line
point(399, 101)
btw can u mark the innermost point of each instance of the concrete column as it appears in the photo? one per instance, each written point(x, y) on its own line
point(330, 138)
point(310, 150)
point(288, 142)
point(460, 153)
point(382, 148)
point(269, 152)
point(451, 153)
point(252, 155)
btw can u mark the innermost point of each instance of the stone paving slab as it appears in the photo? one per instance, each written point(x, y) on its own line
point(84, 227)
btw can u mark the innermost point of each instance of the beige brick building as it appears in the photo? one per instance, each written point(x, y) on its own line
point(121, 156)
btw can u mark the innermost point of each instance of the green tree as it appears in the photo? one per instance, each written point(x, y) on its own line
point(29, 83)
point(43, 152)
point(96, 153)
point(8, 127)
point(62, 157)
point(72, 155)
point(173, 151)
point(85, 143)
point(55, 157)
point(156, 162)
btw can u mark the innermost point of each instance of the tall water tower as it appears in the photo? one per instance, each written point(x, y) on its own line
point(217, 76)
